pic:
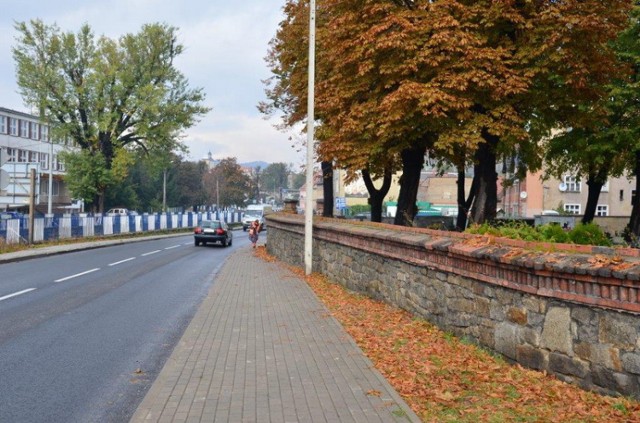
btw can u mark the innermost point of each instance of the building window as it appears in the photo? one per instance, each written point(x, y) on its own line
point(572, 208)
point(33, 157)
point(621, 195)
point(605, 187)
point(44, 161)
point(602, 210)
point(45, 133)
point(35, 131)
point(572, 183)
point(11, 155)
point(13, 126)
point(55, 185)
point(3, 124)
point(57, 164)
point(23, 156)
point(24, 129)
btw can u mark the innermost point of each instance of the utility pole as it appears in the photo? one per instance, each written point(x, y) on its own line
point(308, 208)
point(32, 203)
point(164, 190)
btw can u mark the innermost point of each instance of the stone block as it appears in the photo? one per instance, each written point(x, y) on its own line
point(620, 330)
point(483, 307)
point(556, 333)
point(530, 336)
point(517, 315)
point(566, 365)
point(534, 304)
point(531, 357)
point(631, 363)
point(614, 381)
point(506, 339)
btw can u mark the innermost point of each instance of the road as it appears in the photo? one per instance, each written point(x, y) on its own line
point(83, 335)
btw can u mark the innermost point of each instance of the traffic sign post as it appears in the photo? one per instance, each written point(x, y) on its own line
point(4, 179)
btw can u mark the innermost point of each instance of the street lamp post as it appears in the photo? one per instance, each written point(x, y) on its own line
point(164, 190)
point(308, 208)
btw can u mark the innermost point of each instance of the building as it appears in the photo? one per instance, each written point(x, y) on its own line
point(534, 196)
point(25, 144)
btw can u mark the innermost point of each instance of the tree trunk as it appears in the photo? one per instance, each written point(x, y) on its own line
point(327, 188)
point(486, 201)
point(412, 162)
point(464, 205)
point(634, 221)
point(376, 196)
point(594, 185)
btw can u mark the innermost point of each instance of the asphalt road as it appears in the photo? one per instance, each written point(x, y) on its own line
point(84, 334)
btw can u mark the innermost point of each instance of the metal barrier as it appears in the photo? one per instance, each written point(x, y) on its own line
point(48, 228)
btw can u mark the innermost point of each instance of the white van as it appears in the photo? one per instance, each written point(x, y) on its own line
point(118, 212)
point(253, 212)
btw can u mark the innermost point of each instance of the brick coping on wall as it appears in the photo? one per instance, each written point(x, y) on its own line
point(595, 276)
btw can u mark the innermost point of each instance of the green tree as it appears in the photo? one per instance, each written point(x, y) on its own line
point(227, 185)
point(275, 178)
point(625, 109)
point(111, 97)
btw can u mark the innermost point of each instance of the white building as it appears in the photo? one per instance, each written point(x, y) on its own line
point(25, 144)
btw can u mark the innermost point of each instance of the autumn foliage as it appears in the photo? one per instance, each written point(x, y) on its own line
point(444, 379)
point(468, 81)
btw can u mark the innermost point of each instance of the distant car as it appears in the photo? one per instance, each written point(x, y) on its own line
point(118, 212)
point(212, 231)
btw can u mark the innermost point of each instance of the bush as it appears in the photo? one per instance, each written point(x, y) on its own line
point(589, 234)
point(552, 232)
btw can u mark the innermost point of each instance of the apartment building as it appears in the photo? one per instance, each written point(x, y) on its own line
point(25, 144)
point(533, 195)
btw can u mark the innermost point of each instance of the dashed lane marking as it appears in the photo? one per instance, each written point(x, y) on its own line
point(15, 294)
point(77, 274)
point(122, 261)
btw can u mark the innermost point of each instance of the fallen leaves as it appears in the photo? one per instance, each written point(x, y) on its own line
point(444, 379)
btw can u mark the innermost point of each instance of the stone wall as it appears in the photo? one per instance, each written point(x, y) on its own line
point(573, 311)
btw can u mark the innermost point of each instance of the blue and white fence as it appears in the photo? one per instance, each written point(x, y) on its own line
point(14, 231)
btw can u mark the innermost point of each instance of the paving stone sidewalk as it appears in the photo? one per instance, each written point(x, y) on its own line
point(262, 348)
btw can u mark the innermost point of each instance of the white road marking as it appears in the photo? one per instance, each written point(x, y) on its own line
point(76, 275)
point(122, 261)
point(175, 246)
point(15, 294)
point(150, 252)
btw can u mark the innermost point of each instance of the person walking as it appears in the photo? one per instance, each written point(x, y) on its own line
point(254, 230)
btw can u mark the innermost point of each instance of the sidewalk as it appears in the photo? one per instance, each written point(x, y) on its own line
point(262, 348)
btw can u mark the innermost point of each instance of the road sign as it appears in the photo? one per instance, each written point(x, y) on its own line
point(341, 202)
point(4, 179)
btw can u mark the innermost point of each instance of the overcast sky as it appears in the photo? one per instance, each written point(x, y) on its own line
point(225, 45)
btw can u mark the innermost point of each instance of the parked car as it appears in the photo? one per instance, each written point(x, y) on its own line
point(212, 231)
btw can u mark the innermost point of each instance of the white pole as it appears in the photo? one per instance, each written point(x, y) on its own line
point(50, 196)
point(308, 208)
point(164, 190)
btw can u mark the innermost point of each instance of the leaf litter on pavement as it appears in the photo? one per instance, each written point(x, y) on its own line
point(444, 379)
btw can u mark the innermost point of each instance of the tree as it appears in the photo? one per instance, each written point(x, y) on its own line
point(396, 79)
point(625, 110)
point(110, 97)
point(227, 183)
point(275, 177)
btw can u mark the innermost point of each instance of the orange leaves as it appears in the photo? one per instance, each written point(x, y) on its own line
point(444, 379)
